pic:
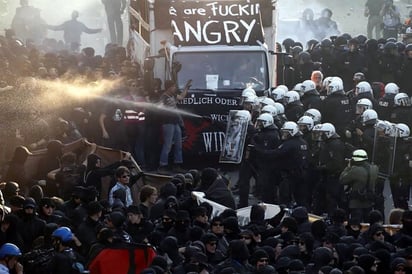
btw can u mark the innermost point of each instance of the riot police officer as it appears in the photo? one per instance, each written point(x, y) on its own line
point(331, 163)
point(264, 142)
point(294, 107)
point(400, 175)
point(291, 157)
point(310, 96)
point(386, 103)
point(402, 111)
point(335, 108)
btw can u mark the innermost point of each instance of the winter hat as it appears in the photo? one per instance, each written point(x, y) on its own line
point(168, 189)
point(160, 261)
point(308, 239)
point(209, 238)
point(266, 269)
point(182, 215)
point(208, 176)
point(257, 214)
point(231, 223)
point(296, 265)
point(133, 209)
point(282, 263)
point(398, 262)
point(326, 269)
point(46, 201)
point(290, 223)
point(291, 251)
point(117, 218)
point(94, 208)
point(171, 213)
point(29, 203)
point(258, 254)
point(300, 214)
point(366, 261)
point(360, 251)
point(169, 244)
point(199, 211)
point(322, 256)
point(336, 271)
point(375, 216)
point(238, 250)
point(10, 189)
point(17, 201)
point(375, 228)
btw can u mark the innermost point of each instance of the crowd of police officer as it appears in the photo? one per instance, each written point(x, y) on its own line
point(301, 134)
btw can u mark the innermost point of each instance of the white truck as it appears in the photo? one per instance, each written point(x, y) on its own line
point(223, 46)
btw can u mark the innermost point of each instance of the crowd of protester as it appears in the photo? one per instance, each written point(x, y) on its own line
point(69, 219)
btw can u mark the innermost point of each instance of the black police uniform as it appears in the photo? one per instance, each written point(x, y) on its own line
point(385, 106)
point(400, 179)
point(294, 111)
point(331, 164)
point(291, 157)
point(336, 109)
point(265, 142)
point(311, 99)
point(402, 114)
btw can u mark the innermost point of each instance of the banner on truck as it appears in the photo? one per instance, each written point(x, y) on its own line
point(216, 23)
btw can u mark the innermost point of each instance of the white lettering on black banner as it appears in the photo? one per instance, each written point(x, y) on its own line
point(213, 141)
point(211, 23)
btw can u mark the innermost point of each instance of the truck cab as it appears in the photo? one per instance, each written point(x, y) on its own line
point(223, 47)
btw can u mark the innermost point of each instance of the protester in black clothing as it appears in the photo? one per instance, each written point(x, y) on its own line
point(87, 230)
point(325, 25)
point(114, 11)
point(137, 226)
point(66, 260)
point(73, 30)
point(372, 11)
point(30, 226)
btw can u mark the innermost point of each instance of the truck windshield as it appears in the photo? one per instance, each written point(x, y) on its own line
point(223, 70)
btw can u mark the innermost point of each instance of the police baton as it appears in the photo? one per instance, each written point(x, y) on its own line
point(375, 137)
point(392, 165)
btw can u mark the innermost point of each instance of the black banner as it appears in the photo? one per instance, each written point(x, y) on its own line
point(216, 23)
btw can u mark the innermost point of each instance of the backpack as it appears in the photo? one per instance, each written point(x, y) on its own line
point(128, 259)
point(37, 260)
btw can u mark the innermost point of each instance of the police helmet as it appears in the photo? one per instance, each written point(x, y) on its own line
point(359, 155)
point(289, 129)
point(307, 85)
point(391, 88)
point(265, 120)
point(364, 87)
point(291, 96)
point(314, 114)
point(403, 130)
point(369, 116)
point(402, 99)
point(305, 121)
